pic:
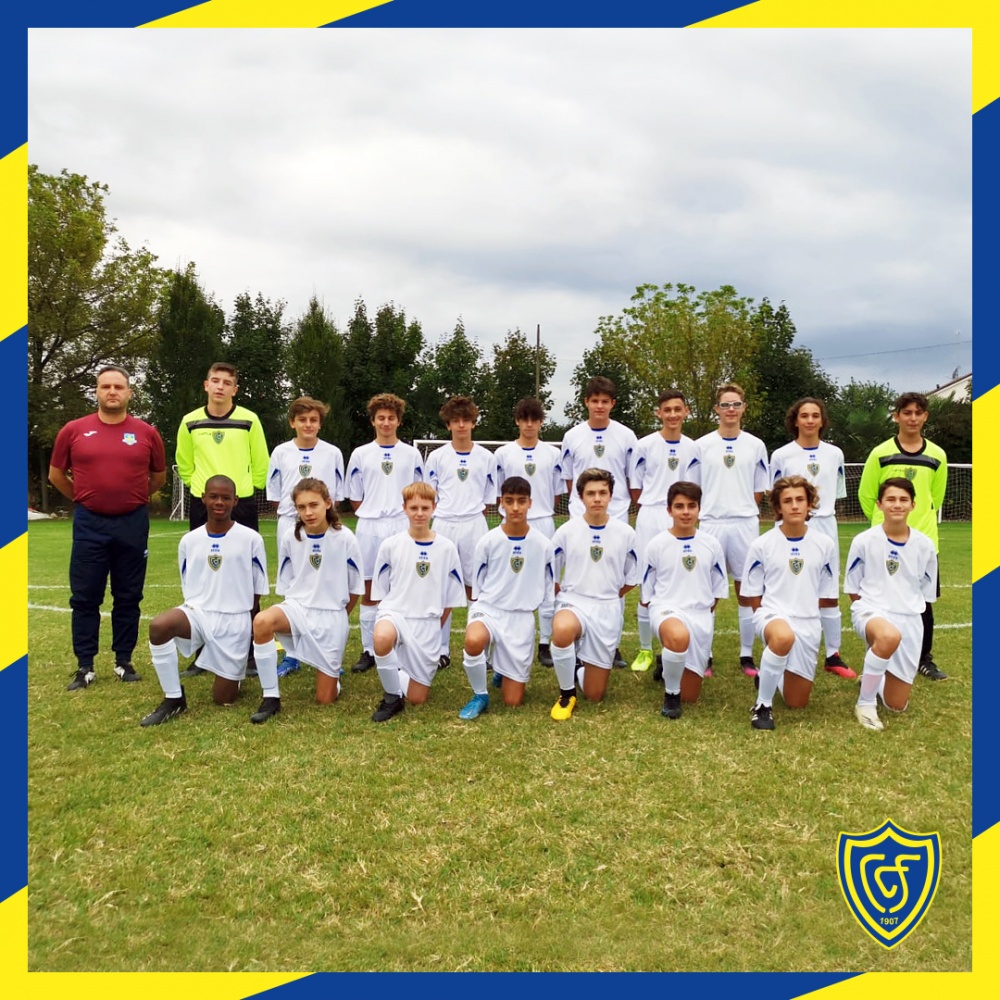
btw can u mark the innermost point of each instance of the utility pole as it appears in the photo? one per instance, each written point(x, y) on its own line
point(538, 359)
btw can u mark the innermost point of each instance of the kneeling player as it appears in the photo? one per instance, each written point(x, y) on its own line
point(223, 573)
point(417, 582)
point(320, 575)
point(595, 557)
point(891, 577)
point(513, 577)
point(683, 580)
point(789, 569)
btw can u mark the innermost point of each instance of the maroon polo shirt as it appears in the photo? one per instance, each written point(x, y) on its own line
point(110, 463)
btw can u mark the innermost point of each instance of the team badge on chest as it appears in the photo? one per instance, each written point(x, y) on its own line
point(796, 562)
point(813, 468)
point(689, 561)
point(218, 436)
point(729, 460)
point(892, 562)
point(596, 551)
point(599, 449)
point(386, 466)
point(529, 468)
point(305, 470)
point(315, 559)
point(128, 439)
point(214, 559)
point(911, 473)
point(672, 463)
point(516, 562)
point(423, 567)
point(463, 474)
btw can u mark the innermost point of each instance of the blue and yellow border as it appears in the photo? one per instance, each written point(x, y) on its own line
point(983, 20)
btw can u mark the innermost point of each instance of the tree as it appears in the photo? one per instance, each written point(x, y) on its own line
point(950, 426)
point(257, 340)
point(190, 329)
point(636, 401)
point(316, 368)
point(452, 367)
point(510, 376)
point(860, 418)
point(91, 302)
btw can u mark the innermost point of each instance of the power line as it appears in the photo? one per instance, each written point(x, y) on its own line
point(901, 350)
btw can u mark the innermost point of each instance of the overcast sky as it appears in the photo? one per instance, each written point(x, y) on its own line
point(516, 178)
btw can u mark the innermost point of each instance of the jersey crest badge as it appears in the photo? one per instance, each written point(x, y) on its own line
point(129, 439)
point(305, 470)
point(387, 467)
point(911, 473)
point(517, 563)
point(672, 463)
point(423, 567)
point(596, 551)
point(214, 561)
point(813, 468)
point(218, 436)
point(529, 468)
point(889, 877)
point(729, 460)
point(599, 450)
point(892, 564)
point(463, 474)
point(315, 559)
point(689, 562)
point(795, 564)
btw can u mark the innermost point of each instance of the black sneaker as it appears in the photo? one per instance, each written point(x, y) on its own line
point(444, 661)
point(167, 709)
point(748, 666)
point(671, 706)
point(83, 678)
point(929, 669)
point(194, 671)
point(390, 705)
point(619, 663)
point(760, 717)
point(545, 654)
point(364, 663)
point(268, 707)
point(658, 669)
point(126, 672)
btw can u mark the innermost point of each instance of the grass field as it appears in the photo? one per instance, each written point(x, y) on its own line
point(616, 841)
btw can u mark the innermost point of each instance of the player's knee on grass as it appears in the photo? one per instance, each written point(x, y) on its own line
point(417, 693)
point(796, 690)
point(384, 638)
point(896, 694)
point(327, 689)
point(779, 637)
point(674, 636)
point(225, 691)
point(513, 692)
point(477, 638)
point(595, 682)
point(690, 685)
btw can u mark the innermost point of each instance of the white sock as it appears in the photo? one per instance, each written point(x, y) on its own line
point(545, 613)
point(165, 665)
point(772, 667)
point(580, 671)
point(367, 617)
point(564, 663)
point(446, 636)
point(673, 670)
point(645, 629)
point(830, 620)
point(388, 672)
point(872, 678)
point(404, 681)
point(746, 631)
point(475, 670)
point(266, 656)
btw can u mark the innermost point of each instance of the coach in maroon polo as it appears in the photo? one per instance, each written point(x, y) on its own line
point(108, 463)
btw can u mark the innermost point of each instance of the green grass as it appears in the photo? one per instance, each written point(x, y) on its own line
point(617, 841)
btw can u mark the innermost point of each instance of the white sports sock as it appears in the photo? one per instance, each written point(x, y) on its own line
point(772, 667)
point(545, 614)
point(673, 670)
point(830, 618)
point(388, 672)
point(746, 631)
point(872, 678)
point(580, 672)
point(446, 636)
point(475, 670)
point(645, 629)
point(564, 663)
point(367, 618)
point(165, 665)
point(266, 656)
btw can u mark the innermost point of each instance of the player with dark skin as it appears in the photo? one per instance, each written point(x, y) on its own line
point(220, 500)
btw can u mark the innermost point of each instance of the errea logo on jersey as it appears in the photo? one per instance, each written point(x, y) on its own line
point(516, 559)
point(892, 562)
point(795, 561)
point(215, 558)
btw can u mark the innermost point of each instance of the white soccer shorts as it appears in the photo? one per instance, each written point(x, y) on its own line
point(601, 624)
point(736, 534)
point(807, 632)
point(701, 629)
point(464, 535)
point(224, 640)
point(318, 636)
point(513, 637)
point(418, 644)
point(371, 532)
point(902, 663)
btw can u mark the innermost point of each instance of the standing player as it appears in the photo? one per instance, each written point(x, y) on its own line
point(513, 576)
point(417, 583)
point(660, 459)
point(731, 467)
point(464, 476)
point(304, 457)
point(223, 575)
point(376, 475)
point(319, 573)
point(108, 463)
point(891, 574)
point(684, 577)
point(595, 567)
point(600, 443)
point(538, 462)
point(823, 465)
point(911, 455)
point(789, 569)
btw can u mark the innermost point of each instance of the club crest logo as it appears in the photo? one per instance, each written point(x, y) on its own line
point(305, 470)
point(215, 561)
point(729, 460)
point(316, 559)
point(599, 450)
point(795, 564)
point(529, 468)
point(596, 551)
point(889, 877)
point(463, 474)
point(423, 567)
point(689, 562)
point(218, 436)
point(129, 439)
point(891, 566)
point(672, 463)
point(387, 467)
point(517, 563)
point(813, 468)
point(911, 473)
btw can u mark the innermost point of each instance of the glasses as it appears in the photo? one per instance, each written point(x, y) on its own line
point(730, 406)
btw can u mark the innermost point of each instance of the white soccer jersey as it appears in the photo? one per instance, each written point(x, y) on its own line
point(540, 466)
point(823, 466)
point(657, 464)
point(222, 572)
point(418, 579)
point(513, 573)
point(892, 576)
point(289, 464)
point(790, 575)
point(594, 562)
point(609, 448)
point(730, 471)
point(688, 574)
point(376, 475)
point(320, 571)
point(466, 481)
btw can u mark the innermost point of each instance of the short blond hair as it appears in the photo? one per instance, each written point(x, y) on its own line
point(419, 491)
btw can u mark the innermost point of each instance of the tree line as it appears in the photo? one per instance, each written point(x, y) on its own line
point(94, 300)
